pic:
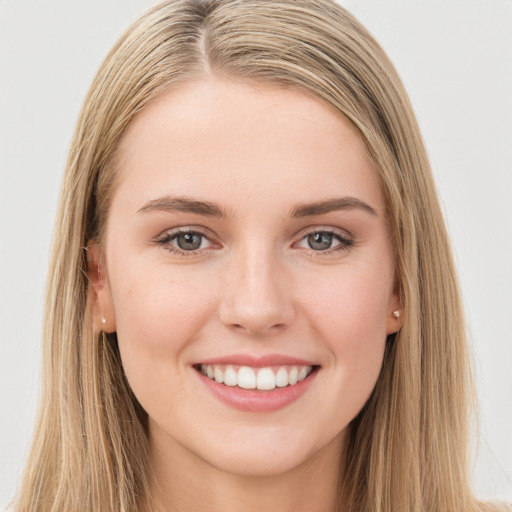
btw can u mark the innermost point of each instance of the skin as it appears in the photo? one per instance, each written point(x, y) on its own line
point(255, 286)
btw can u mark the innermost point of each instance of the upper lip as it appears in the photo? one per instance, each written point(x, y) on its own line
point(257, 362)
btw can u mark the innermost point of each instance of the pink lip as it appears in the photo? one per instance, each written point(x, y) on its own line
point(255, 400)
point(257, 362)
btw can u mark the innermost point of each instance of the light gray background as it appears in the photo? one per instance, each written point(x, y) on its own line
point(455, 57)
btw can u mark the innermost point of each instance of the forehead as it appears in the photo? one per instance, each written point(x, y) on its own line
point(227, 140)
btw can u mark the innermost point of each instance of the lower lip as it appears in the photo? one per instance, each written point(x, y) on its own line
point(250, 400)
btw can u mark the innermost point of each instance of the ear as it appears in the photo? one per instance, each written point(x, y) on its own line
point(99, 295)
point(395, 316)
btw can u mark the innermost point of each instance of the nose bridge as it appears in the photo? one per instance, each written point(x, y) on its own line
point(256, 297)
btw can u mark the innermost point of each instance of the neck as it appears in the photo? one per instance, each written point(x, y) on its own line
point(182, 482)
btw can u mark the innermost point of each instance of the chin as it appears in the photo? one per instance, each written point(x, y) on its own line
point(271, 454)
point(257, 462)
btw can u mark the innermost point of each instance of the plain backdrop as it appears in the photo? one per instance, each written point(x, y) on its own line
point(455, 57)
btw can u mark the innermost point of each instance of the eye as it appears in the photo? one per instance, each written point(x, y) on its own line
point(189, 241)
point(320, 241)
point(325, 241)
point(184, 241)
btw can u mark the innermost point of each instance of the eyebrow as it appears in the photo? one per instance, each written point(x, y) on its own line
point(331, 205)
point(183, 204)
point(208, 209)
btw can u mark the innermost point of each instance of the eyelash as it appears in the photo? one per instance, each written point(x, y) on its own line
point(167, 238)
point(345, 243)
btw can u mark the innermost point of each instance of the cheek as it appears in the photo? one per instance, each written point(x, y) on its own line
point(352, 305)
point(157, 315)
point(349, 315)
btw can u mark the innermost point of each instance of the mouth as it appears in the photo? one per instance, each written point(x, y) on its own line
point(266, 378)
point(261, 384)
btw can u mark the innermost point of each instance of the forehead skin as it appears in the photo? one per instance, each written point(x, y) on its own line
point(167, 135)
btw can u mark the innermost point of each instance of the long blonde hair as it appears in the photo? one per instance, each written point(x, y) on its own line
point(407, 447)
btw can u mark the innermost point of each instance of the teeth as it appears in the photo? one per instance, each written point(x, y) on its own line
point(292, 376)
point(246, 378)
point(264, 379)
point(281, 378)
point(303, 373)
point(218, 375)
point(230, 377)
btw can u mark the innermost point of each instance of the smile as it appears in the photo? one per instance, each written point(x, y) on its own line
point(257, 385)
point(263, 379)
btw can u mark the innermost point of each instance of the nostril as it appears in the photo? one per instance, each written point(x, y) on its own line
point(252, 328)
point(256, 297)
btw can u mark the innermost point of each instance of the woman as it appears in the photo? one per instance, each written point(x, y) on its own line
point(243, 307)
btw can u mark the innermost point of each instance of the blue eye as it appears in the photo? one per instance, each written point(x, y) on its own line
point(320, 241)
point(325, 241)
point(189, 241)
point(184, 241)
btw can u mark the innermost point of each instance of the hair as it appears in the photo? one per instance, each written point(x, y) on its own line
point(407, 448)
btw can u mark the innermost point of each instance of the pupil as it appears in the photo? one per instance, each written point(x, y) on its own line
point(189, 241)
point(320, 241)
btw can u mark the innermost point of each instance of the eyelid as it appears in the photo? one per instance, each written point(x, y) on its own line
point(342, 233)
point(164, 240)
point(345, 238)
point(182, 229)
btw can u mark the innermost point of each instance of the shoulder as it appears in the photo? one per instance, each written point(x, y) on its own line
point(499, 507)
point(493, 506)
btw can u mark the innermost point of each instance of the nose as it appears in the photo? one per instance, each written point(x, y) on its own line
point(256, 295)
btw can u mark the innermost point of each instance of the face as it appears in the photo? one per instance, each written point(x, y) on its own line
point(246, 246)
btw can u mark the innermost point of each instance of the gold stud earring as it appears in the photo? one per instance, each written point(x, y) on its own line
point(396, 314)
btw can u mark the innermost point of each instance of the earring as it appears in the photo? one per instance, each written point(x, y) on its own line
point(103, 320)
point(396, 314)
